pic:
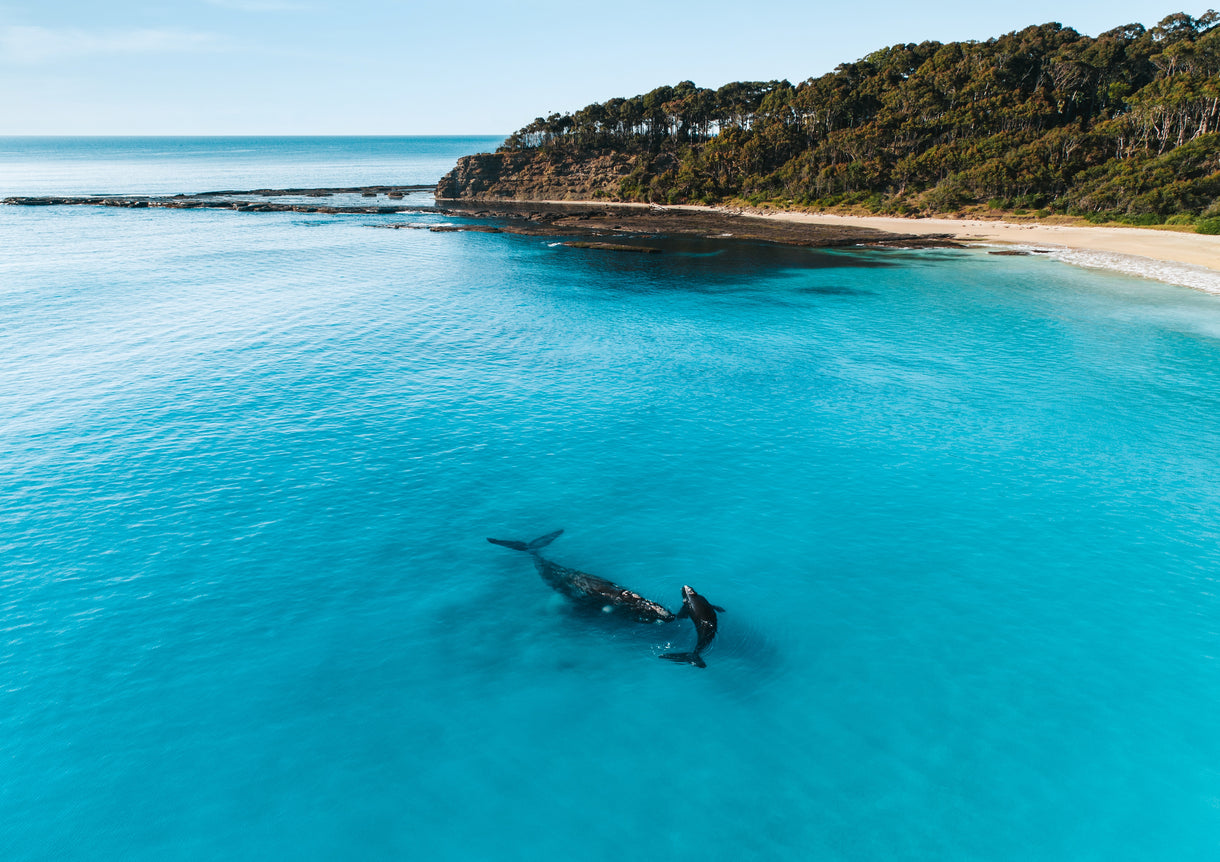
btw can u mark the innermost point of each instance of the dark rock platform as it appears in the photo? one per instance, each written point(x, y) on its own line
point(340, 200)
point(517, 217)
point(562, 219)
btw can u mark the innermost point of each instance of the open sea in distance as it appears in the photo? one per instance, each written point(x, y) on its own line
point(962, 512)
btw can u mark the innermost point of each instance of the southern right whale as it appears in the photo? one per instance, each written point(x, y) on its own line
point(703, 615)
point(585, 589)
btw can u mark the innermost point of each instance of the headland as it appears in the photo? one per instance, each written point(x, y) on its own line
point(1030, 137)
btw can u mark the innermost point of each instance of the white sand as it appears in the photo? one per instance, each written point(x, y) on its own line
point(1189, 259)
point(1171, 246)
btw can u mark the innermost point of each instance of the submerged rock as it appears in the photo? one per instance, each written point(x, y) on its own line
point(612, 246)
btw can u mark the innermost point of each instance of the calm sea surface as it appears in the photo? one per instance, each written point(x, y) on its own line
point(963, 512)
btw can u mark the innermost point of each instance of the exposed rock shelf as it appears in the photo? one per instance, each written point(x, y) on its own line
point(339, 200)
point(518, 217)
point(557, 219)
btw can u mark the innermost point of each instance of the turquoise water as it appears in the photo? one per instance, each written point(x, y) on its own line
point(961, 510)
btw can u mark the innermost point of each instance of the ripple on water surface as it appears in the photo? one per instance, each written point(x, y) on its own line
point(958, 508)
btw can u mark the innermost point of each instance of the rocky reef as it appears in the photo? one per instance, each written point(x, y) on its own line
point(339, 200)
point(528, 217)
point(636, 221)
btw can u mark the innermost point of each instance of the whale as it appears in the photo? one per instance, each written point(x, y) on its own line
point(703, 615)
point(589, 590)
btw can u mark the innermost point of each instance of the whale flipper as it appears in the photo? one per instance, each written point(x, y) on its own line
point(685, 657)
point(540, 542)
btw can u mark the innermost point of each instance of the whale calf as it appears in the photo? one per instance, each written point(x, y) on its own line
point(588, 590)
point(703, 615)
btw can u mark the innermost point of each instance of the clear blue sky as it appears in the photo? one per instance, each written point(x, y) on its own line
point(426, 67)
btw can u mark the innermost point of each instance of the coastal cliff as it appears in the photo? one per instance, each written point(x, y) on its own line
point(536, 175)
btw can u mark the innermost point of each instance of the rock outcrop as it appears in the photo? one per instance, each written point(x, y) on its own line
point(526, 217)
point(272, 200)
point(535, 176)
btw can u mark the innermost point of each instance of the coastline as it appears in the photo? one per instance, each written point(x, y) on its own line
point(1187, 259)
point(530, 218)
point(1179, 258)
point(1184, 259)
point(1193, 249)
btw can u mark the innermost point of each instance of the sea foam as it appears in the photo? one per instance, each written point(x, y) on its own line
point(1183, 274)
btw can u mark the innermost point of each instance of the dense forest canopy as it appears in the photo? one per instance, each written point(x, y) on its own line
point(1127, 123)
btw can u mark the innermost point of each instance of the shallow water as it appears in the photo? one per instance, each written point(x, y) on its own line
point(961, 510)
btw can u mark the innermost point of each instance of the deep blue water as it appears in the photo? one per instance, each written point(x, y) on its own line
point(961, 510)
point(172, 165)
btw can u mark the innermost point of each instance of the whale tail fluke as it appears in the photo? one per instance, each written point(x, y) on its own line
point(510, 543)
point(685, 657)
point(543, 541)
point(536, 544)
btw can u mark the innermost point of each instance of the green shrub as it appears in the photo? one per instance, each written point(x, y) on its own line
point(1141, 219)
point(1180, 218)
point(1210, 226)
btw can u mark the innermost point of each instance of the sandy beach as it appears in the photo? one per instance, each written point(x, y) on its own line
point(1188, 259)
point(1167, 246)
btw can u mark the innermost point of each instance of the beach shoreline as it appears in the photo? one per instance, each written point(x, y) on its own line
point(1166, 246)
point(1187, 259)
point(1174, 257)
point(1193, 249)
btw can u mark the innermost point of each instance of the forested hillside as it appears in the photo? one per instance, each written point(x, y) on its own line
point(1125, 125)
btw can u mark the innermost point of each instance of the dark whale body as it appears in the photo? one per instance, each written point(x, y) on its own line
point(588, 590)
point(703, 615)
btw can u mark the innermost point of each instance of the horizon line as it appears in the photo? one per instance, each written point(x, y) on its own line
point(249, 135)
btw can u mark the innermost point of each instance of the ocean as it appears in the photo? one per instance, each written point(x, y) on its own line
point(961, 511)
